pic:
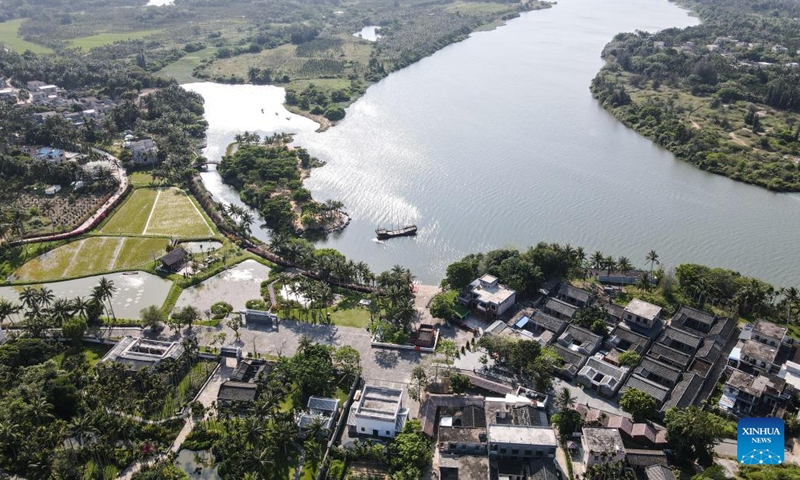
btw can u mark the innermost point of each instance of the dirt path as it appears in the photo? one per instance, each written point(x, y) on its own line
point(152, 210)
point(737, 140)
point(74, 257)
point(114, 257)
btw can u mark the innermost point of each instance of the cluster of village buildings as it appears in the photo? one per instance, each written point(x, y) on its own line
point(728, 47)
point(503, 432)
point(77, 110)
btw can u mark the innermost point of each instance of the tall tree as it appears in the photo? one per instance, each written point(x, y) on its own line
point(652, 259)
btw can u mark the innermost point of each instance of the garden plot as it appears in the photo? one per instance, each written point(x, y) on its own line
point(174, 214)
point(91, 256)
point(132, 216)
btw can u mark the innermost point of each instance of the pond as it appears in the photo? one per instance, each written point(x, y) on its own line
point(369, 33)
point(135, 291)
point(201, 247)
point(197, 464)
point(236, 286)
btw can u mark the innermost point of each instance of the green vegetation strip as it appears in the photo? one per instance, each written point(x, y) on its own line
point(9, 36)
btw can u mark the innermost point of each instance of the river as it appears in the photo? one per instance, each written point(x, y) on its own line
point(496, 141)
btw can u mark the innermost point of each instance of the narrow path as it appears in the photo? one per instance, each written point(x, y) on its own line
point(273, 299)
point(115, 256)
point(150, 217)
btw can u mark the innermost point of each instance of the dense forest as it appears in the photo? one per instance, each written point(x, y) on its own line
point(724, 95)
point(269, 177)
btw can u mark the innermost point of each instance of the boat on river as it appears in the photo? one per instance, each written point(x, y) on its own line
point(406, 231)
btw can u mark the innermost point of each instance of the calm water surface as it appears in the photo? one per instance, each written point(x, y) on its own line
point(369, 33)
point(496, 141)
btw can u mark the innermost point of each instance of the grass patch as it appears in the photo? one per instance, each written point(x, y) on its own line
point(93, 352)
point(93, 41)
point(187, 388)
point(9, 36)
point(172, 298)
point(140, 179)
point(131, 217)
point(175, 214)
point(182, 70)
point(92, 255)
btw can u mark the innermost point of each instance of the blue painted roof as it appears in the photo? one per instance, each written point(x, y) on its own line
point(522, 322)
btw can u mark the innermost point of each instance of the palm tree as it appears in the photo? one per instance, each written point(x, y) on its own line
point(245, 221)
point(624, 265)
point(105, 290)
point(61, 311)
point(597, 260)
point(80, 427)
point(791, 296)
point(80, 306)
point(6, 310)
point(39, 411)
point(565, 400)
point(44, 297)
point(609, 264)
point(652, 258)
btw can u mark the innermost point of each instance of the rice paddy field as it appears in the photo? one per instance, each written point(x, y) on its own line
point(167, 212)
point(91, 256)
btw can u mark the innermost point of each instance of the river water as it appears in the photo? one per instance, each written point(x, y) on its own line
point(496, 141)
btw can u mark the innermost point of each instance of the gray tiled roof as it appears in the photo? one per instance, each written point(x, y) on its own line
point(573, 360)
point(709, 352)
point(669, 356)
point(567, 290)
point(625, 339)
point(655, 390)
point(562, 308)
point(685, 392)
point(614, 310)
point(685, 313)
point(674, 334)
point(237, 391)
point(581, 334)
point(659, 472)
point(658, 372)
point(548, 322)
point(323, 404)
point(722, 330)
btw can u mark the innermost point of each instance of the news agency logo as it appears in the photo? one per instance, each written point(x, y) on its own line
point(760, 441)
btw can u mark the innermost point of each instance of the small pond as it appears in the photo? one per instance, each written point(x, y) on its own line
point(201, 247)
point(197, 464)
point(135, 291)
point(236, 286)
point(369, 33)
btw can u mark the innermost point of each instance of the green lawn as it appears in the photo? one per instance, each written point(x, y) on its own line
point(93, 351)
point(187, 388)
point(132, 216)
point(9, 36)
point(176, 215)
point(140, 179)
point(93, 41)
point(183, 68)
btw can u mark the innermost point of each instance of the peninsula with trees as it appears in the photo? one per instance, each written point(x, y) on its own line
point(268, 175)
point(723, 96)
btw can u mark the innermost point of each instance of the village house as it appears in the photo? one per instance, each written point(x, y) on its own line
point(144, 152)
point(642, 314)
point(560, 309)
point(378, 412)
point(623, 339)
point(8, 94)
point(602, 445)
point(602, 376)
point(537, 325)
point(752, 395)
point(487, 298)
point(251, 317)
point(686, 392)
point(322, 411)
point(175, 259)
point(240, 391)
point(680, 340)
point(580, 340)
point(573, 295)
point(790, 372)
point(522, 441)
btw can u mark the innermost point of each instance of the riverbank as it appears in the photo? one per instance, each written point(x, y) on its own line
point(721, 104)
